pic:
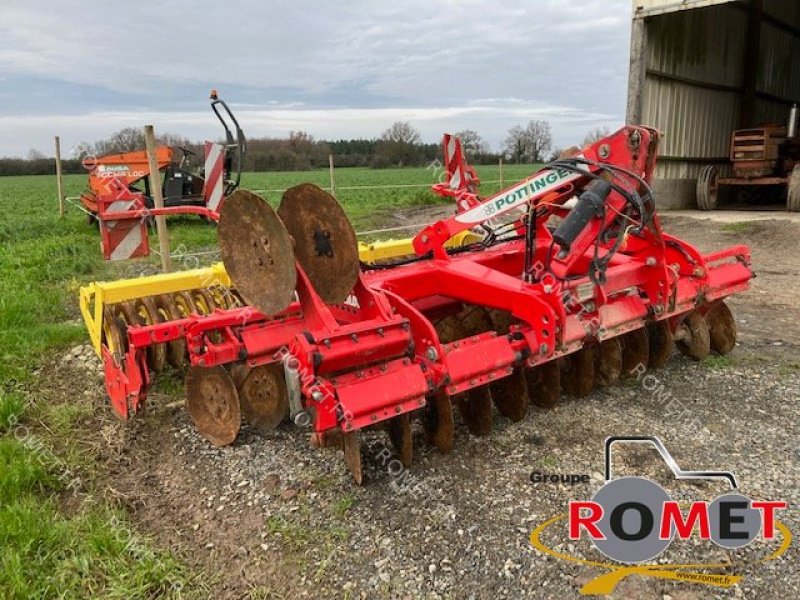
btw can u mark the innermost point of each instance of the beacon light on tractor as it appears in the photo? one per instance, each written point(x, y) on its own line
point(119, 198)
point(535, 308)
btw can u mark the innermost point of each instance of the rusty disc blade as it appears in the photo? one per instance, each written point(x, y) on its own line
point(213, 404)
point(721, 328)
point(351, 444)
point(578, 371)
point(501, 320)
point(257, 252)
point(399, 430)
point(475, 320)
point(609, 362)
point(475, 405)
point(635, 351)
point(263, 396)
point(325, 242)
point(510, 395)
point(661, 343)
point(438, 422)
point(695, 338)
point(544, 384)
point(176, 349)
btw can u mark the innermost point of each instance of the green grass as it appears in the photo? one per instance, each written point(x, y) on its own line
point(737, 227)
point(90, 550)
point(717, 361)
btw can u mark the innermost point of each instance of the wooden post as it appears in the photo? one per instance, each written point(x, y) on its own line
point(638, 72)
point(502, 182)
point(158, 198)
point(330, 169)
point(59, 178)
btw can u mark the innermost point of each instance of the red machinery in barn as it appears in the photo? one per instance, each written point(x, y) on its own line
point(577, 288)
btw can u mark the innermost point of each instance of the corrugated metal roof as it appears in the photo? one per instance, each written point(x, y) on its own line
point(646, 8)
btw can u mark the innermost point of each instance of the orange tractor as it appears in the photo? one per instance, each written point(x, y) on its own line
point(120, 200)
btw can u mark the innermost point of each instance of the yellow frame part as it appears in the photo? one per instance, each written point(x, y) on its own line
point(96, 296)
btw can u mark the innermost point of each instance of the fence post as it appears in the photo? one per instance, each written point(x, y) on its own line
point(502, 182)
point(158, 198)
point(59, 178)
point(330, 169)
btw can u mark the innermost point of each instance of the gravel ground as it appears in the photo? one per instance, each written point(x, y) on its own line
point(271, 517)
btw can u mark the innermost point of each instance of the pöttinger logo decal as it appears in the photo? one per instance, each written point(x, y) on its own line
point(632, 520)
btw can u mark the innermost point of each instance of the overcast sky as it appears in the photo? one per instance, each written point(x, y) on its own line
point(346, 69)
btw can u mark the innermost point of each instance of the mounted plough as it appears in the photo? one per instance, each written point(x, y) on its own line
point(571, 284)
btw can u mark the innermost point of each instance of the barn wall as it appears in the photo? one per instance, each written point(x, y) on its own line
point(691, 82)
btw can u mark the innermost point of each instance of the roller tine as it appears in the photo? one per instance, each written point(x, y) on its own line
point(399, 430)
point(351, 445)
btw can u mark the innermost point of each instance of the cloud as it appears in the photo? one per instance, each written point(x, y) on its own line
point(159, 56)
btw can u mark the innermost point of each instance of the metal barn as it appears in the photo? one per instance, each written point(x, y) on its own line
point(703, 68)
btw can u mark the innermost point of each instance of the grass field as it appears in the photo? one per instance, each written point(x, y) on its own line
point(91, 550)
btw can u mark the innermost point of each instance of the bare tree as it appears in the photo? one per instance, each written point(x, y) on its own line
point(514, 146)
point(598, 133)
point(34, 154)
point(398, 145)
point(401, 132)
point(529, 144)
point(472, 143)
point(539, 140)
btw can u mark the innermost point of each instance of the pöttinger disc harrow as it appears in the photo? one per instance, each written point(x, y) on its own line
point(534, 308)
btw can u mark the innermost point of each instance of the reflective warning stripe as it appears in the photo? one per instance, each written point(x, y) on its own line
point(129, 244)
point(214, 171)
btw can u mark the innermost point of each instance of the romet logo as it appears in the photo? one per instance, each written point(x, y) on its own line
point(633, 519)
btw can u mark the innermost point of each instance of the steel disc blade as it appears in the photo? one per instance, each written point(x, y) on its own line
point(661, 343)
point(578, 371)
point(609, 362)
point(257, 252)
point(544, 384)
point(263, 397)
point(351, 444)
point(325, 242)
point(399, 429)
point(695, 338)
point(510, 395)
point(213, 404)
point(438, 422)
point(635, 351)
point(721, 328)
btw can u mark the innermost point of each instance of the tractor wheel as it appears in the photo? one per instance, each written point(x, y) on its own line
point(793, 190)
point(707, 190)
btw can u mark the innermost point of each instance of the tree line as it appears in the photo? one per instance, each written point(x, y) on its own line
point(400, 145)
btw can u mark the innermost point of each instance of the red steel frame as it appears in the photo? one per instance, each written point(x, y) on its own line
point(378, 355)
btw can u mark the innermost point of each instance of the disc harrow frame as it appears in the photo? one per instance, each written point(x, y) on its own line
point(515, 320)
